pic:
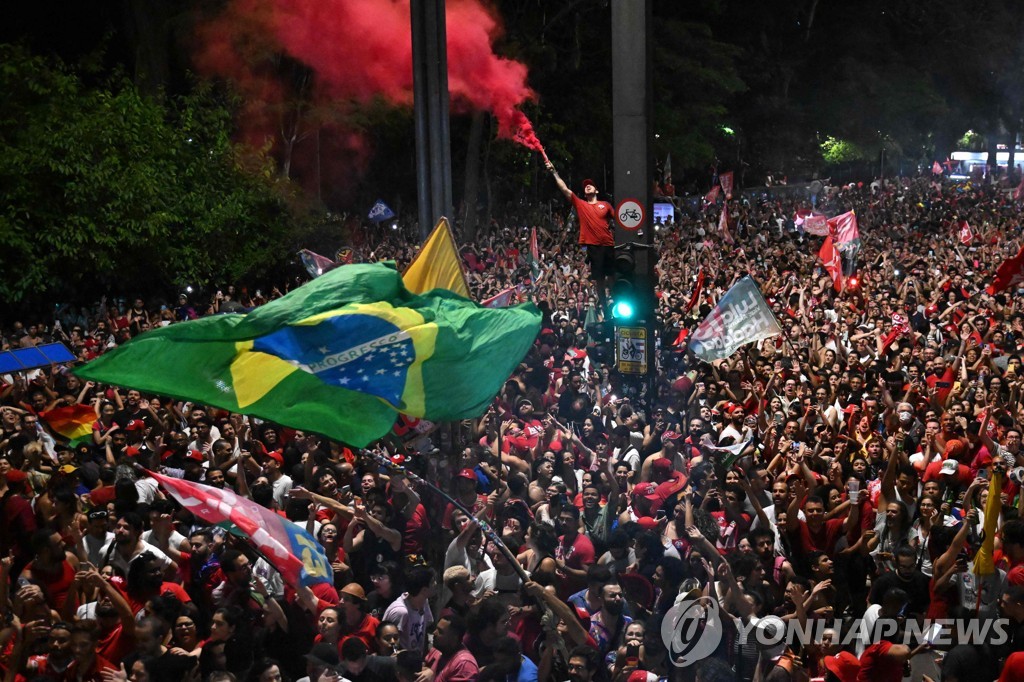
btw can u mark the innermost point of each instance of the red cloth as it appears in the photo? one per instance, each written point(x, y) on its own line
point(1013, 669)
point(55, 586)
point(115, 645)
point(594, 229)
point(824, 540)
point(875, 666)
point(461, 667)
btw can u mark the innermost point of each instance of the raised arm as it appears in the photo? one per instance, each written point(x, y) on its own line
point(558, 180)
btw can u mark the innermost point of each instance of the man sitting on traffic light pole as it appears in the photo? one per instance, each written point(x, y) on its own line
point(595, 230)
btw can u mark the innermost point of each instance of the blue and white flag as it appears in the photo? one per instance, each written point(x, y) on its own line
point(380, 212)
point(741, 316)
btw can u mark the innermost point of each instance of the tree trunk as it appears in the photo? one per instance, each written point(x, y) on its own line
point(147, 25)
point(471, 188)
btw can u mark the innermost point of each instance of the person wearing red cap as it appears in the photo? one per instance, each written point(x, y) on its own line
point(595, 229)
point(465, 492)
point(273, 469)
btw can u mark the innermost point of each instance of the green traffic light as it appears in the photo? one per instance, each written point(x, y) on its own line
point(623, 310)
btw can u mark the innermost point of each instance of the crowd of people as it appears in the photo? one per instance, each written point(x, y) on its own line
point(854, 490)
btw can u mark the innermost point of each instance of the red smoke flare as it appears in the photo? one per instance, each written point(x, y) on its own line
point(362, 49)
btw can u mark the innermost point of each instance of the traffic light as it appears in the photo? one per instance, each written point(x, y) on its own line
point(633, 290)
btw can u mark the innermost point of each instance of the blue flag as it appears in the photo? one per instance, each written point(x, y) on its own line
point(380, 212)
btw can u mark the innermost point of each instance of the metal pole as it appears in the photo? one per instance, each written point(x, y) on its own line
point(420, 112)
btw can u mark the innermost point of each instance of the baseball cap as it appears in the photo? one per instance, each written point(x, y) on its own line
point(949, 467)
point(588, 181)
point(466, 473)
point(195, 456)
point(843, 665)
point(647, 522)
point(131, 451)
point(671, 435)
point(135, 425)
point(662, 466)
point(276, 456)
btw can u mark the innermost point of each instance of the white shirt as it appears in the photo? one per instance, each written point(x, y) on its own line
point(121, 564)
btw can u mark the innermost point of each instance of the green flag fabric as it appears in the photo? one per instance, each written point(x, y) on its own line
point(341, 356)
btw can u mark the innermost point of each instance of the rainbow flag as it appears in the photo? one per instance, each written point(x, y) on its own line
point(72, 422)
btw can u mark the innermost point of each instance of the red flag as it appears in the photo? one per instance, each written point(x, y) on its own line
point(296, 555)
point(1010, 274)
point(502, 299)
point(534, 249)
point(829, 255)
point(712, 195)
point(723, 225)
point(726, 180)
point(695, 295)
point(948, 164)
point(966, 234)
point(936, 168)
point(1018, 193)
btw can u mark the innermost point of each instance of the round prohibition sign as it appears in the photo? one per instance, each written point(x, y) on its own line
point(629, 214)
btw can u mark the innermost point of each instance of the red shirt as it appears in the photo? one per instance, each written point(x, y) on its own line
point(875, 666)
point(594, 230)
point(824, 540)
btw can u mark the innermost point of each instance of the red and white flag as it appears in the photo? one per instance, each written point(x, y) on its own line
point(829, 255)
point(712, 196)
point(899, 328)
point(723, 225)
point(296, 554)
point(966, 234)
point(726, 180)
point(936, 168)
point(844, 228)
point(1010, 274)
point(812, 222)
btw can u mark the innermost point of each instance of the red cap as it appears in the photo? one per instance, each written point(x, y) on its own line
point(135, 425)
point(466, 473)
point(588, 181)
point(647, 522)
point(843, 665)
point(662, 466)
point(131, 451)
point(196, 456)
point(276, 456)
point(16, 476)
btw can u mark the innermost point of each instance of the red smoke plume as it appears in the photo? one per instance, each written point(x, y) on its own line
point(359, 50)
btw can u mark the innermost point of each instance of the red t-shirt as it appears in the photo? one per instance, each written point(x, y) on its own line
point(824, 540)
point(875, 666)
point(594, 230)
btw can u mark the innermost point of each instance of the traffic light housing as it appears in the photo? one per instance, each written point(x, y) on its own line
point(632, 296)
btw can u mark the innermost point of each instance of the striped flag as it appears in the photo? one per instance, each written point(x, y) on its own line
point(71, 422)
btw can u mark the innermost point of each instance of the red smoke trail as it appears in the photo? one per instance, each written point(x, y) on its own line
point(362, 49)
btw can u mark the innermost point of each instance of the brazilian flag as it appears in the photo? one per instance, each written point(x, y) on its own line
point(340, 356)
